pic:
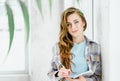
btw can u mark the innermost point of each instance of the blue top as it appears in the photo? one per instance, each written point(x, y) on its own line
point(80, 64)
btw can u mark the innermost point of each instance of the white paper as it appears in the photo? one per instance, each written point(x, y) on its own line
point(87, 73)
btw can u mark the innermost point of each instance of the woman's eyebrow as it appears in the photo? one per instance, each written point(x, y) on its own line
point(75, 20)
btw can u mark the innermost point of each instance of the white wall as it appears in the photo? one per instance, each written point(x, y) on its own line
point(101, 34)
point(114, 40)
point(107, 29)
point(44, 34)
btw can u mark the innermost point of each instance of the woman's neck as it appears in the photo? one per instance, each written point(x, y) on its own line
point(78, 39)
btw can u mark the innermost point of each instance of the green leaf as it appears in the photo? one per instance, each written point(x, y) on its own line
point(11, 26)
point(26, 19)
point(50, 5)
point(39, 4)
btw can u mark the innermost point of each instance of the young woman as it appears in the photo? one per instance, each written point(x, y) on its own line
point(76, 58)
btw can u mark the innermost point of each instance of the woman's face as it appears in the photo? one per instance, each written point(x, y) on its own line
point(75, 25)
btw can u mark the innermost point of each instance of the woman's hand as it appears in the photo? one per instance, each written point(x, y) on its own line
point(64, 72)
point(81, 78)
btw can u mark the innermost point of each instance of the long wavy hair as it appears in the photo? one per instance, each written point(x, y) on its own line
point(65, 39)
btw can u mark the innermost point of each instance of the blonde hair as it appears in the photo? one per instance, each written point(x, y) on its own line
point(65, 39)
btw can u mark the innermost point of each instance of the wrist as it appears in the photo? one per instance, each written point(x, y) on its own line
point(56, 74)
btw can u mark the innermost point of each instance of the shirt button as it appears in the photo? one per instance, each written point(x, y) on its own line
point(87, 59)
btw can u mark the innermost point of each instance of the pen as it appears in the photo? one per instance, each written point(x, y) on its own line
point(62, 65)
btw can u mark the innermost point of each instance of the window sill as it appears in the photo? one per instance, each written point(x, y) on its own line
point(14, 77)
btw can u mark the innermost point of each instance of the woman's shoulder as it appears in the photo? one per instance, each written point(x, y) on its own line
point(93, 45)
point(91, 42)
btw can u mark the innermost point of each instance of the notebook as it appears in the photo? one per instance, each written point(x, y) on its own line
point(87, 73)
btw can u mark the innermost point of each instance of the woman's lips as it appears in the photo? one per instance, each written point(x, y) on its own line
point(74, 31)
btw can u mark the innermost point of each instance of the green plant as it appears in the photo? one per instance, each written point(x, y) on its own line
point(50, 5)
point(39, 4)
point(11, 25)
point(26, 18)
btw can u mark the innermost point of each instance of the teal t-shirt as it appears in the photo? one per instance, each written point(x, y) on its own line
point(80, 64)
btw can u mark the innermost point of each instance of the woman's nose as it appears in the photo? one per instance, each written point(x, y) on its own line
point(73, 26)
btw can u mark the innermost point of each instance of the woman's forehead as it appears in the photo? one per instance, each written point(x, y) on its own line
point(73, 17)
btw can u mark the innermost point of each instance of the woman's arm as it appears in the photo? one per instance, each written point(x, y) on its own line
point(97, 76)
point(54, 67)
point(96, 63)
point(52, 74)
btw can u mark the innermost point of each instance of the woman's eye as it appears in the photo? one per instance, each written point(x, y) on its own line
point(76, 22)
point(68, 25)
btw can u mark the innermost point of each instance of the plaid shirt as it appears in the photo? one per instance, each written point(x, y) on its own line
point(93, 58)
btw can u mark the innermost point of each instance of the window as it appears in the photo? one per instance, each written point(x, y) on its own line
point(16, 61)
